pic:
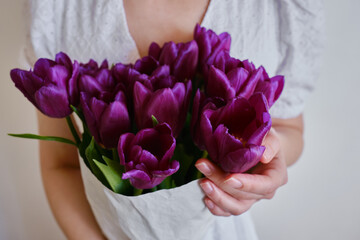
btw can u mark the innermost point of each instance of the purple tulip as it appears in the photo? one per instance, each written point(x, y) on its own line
point(211, 46)
point(146, 65)
point(106, 117)
point(200, 104)
point(229, 78)
point(169, 104)
point(271, 88)
point(51, 86)
point(181, 57)
point(233, 134)
point(146, 70)
point(147, 156)
point(96, 80)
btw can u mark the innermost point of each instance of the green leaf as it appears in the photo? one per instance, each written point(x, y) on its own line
point(124, 187)
point(113, 177)
point(46, 138)
point(92, 154)
point(154, 120)
point(112, 171)
point(186, 161)
point(137, 191)
point(166, 184)
point(114, 165)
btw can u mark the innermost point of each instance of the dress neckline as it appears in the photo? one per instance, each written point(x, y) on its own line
point(131, 40)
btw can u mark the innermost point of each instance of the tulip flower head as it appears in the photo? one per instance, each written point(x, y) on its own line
point(233, 134)
point(147, 156)
point(51, 86)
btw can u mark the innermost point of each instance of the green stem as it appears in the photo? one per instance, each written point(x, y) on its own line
point(115, 154)
point(199, 175)
point(73, 130)
point(205, 154)
point(77, 112)
point(137, 192)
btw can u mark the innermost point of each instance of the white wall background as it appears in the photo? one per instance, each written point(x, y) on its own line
point(321, 200)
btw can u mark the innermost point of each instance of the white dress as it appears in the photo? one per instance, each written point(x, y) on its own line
point(285, 36)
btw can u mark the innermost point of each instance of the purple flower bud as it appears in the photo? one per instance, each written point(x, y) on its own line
point(147, 156)
point(168, 105)
point(51, 86)
point(95, 80)
point(271, 88)
point(211, 46)
point(200, 104)
point(106, 117)
point(181, 57)
point(233, 134)
point(229, 78)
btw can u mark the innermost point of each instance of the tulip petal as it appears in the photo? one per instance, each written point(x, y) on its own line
point(165, 107)
point(138, 178)
point(73, 84)
point(63, 59)
point(172, 168)
point(236, 116)
point(225, 142)
point(89, 116)
point(124, 145)
point(141, 97)
point(88, 84)
point(114, 121)
point(218, 85)
point(27, 83)
point(147, 159)
point(186, 62)
point(237, 77)
point(58, 75)
point(249, 86)
point(53, 102)
point(207, 134)
point(41, 67)
point(103, 77)
point(242, 160)
point(168, 54)
point(146, 65)
point(258, 135)
point(154, 50)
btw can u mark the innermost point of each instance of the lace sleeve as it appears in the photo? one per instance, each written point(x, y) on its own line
point(301, 33)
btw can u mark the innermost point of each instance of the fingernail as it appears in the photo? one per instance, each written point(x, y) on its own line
point(209, 203)
point(206, 187)
point(233, 182)
point(204, 168)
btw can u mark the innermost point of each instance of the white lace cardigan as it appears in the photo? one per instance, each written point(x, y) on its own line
point(285, 36)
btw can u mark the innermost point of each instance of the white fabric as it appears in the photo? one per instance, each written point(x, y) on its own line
point(177, 213)
point(282, 35)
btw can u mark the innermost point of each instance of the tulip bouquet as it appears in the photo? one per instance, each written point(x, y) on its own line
point(145, 124)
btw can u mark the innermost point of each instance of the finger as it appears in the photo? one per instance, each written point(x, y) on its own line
point(272, 146)
point(214, 209)
point(230, 188)
point(262, 184)
point(227, 182)
point(211, 171)
point(218, 176)
point(224, 200)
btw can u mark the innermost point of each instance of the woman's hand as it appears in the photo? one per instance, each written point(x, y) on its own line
point(233, 194)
